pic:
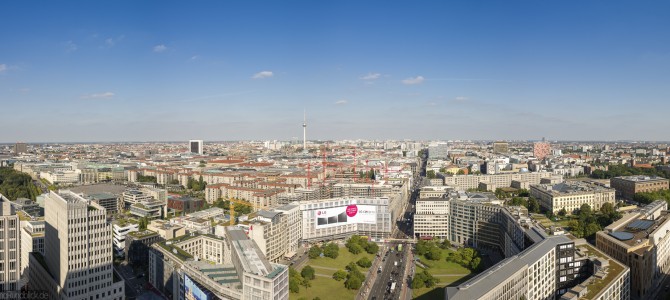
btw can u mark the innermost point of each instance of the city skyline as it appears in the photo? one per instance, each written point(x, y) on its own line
point(154, 71)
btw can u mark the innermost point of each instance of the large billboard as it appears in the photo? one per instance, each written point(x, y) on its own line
point(192, 291)
point(350, 214)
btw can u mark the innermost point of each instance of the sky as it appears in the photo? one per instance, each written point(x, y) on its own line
point(88, 71)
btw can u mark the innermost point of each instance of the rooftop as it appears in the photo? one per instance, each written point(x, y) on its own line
point(641, 178)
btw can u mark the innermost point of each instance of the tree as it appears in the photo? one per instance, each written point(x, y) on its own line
point(372, 248)
point(430, 174)
point(331, 250)
point(460, 172)
point(307, 273)
point(340, 275)
point(474, 264)
point(422, 247)
point(434, 253)
point(355, 249)
point(533, 206)
point(364, 262)
point(446, 244)
point(294, 281)
point(562, 212)
point(293, 285)
point(351, 267)
point(314, 252)
point(305, 282)
point(353, 283)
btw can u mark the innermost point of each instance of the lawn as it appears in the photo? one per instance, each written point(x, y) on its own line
point(340, 262)
point(441, 267)
point(329, 288)
point(324, 288)
point(437, 292)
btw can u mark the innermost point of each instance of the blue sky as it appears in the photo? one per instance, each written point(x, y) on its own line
point(231, 70)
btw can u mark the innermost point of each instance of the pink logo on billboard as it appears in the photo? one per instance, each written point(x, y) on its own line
point(352, 210)
point(318, 213)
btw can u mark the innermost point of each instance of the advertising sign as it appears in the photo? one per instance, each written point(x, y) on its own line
point(350, 214)
point(192, 291)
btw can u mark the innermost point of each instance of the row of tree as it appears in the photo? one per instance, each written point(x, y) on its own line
point(423, 279)
point(531, 204)
point(15, 184)
point(330, 250)
point(466, 257)
point(588, 222)
point(196, 186)
point(239, 208)
point(626, 170)
point(649, 197)
point(356, 244)
point(142, 178)
point(431, 249)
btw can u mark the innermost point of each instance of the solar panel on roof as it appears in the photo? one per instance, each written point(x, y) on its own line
point(640, 224)
point(622, 236)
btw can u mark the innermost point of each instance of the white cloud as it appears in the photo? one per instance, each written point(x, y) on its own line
point(263, 74)
point(24, 90)
point(371, 76)
point(105, 95)
point(461, 99)
point(3, 68)
point(160, 48)
point(194, 57)
point(110, 42)
point(415, 80)
point(341, 102)
point(70, 46)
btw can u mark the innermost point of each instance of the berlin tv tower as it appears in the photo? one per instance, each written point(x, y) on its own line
point(304, 132)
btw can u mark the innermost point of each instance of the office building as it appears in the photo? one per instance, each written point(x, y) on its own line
point(553, 268)
point(571, 196)
point(466, 182)
point(628, 186)
point(10, 246)
point(137, 245)
point(500, 147)
point(640, 240)
point(269, 233)
point(195, 146)
point(109, 201)
point(328, 219)
point(438, 151)
point(32, 240)
point(120, 228)
point(232, 267)
point(77, 260)
point(20, 148)
point(541, 150)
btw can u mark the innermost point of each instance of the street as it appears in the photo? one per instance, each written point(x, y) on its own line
point(393, 279)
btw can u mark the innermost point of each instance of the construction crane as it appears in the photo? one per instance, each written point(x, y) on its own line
point(238, 201)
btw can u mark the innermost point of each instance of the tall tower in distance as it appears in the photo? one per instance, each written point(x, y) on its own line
point(195, 146)
point(304, 132)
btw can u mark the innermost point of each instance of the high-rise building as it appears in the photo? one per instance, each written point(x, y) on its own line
point(77, 260)
point(541, 150)
point(10, 258)
point(20, 148)
point(32, 240)
point(438, 151)
point(195, 146)
point(500, 147)
point(640, 240)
